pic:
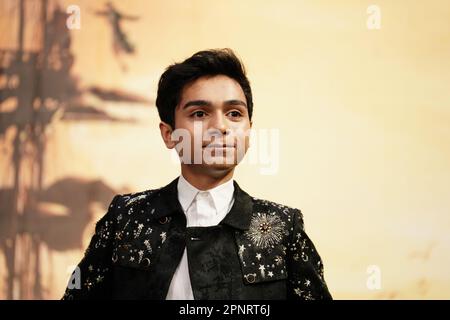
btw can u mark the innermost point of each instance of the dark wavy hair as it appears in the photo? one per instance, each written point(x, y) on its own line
point(203, 63)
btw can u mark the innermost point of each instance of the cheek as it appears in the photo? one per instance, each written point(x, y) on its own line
point(242, 138)
point(241, 129)
point(195, 135)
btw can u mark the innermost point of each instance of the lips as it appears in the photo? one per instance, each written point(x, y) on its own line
point(219, 145)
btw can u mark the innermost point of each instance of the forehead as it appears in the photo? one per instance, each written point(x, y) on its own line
point(213, 88)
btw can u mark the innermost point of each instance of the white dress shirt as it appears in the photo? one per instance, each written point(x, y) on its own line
point(202, 209)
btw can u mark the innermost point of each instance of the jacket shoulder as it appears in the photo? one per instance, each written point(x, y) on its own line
point(135, 198)
point(129, 203)
point(266, 206)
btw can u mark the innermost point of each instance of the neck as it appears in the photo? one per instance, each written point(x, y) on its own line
point(205, 180)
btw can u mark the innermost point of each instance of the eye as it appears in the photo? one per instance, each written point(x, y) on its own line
point(235, 114)
point(198, 114)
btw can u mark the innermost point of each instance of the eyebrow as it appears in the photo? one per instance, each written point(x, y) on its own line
point(205, 103)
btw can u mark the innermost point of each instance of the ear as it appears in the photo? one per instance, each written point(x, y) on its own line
point(166, 134)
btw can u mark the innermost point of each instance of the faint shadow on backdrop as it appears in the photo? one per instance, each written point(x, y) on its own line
point(38, 89)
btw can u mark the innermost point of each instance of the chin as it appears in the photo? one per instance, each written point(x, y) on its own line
point(220, 166)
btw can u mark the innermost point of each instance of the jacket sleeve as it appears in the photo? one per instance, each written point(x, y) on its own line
point(92, 278)
point(305, 269)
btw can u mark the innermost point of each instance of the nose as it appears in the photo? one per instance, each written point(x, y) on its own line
point(220, 123)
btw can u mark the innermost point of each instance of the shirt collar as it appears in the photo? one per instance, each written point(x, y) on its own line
point(165, 202)
point(222, 195)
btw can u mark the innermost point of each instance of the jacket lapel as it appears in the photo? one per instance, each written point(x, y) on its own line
point(241, 212)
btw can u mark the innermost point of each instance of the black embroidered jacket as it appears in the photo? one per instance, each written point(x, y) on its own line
point(259, 251)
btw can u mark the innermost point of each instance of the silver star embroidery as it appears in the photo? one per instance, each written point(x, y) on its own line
point(241, 250)
point(262, 269)
point(298, 292)
point(309, 296)
point(258, 256)
point(163, 237)
point(270, 274)
point(307, 282)
point(147, 245)
point(141, 253)
point(138, 231)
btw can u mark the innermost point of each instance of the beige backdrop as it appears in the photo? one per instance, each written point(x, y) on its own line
point(363, 117)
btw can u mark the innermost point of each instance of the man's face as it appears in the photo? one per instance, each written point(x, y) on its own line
point(213, 112)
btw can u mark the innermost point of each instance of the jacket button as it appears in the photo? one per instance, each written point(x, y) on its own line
point(164, 220)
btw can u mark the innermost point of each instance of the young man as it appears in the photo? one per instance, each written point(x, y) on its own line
point(201, 236)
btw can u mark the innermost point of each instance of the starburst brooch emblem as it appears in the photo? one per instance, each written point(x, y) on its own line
point(265, 230)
